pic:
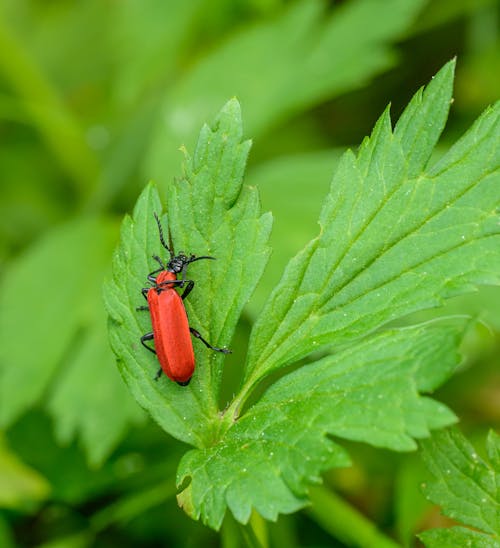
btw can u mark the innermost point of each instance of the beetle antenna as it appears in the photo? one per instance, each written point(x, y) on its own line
point(162, 239)
point(193, 259)
point(172, 254)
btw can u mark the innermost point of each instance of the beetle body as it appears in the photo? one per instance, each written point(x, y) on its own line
point(171, 331)
point(171, 334)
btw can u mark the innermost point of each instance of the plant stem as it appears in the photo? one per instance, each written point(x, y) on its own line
point(252, 533)
point(233, 410)
point(344, 522)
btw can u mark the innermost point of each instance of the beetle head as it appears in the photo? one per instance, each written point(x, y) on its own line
point(179, 262)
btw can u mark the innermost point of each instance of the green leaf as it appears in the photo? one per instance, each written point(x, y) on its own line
point(395, 237)
point(445, 12)
point(454, 537)
point(209, 213)
point(133, 505)
point(141, 63)
point(298, 71)
point(47, 111)
point(51, 328)
point(466, 487)
point(6, 534)
point(308, 175)
point(368, 392)
point(20, 486)
point(32, 291)
point(90, 398)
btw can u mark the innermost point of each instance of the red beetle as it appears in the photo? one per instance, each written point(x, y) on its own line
point(171, 330)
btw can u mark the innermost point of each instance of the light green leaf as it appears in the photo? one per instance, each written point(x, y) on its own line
point(369, 392)
point(90, 399)
point(141, 63)
point(466, 487)
point(282, 66)
point(394, 238)
point(20, 485)
point(51, 327)
point(54, 286)
point(209, 213)
point(455, 537)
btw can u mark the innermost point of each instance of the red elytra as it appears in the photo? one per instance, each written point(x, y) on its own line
point(171, 334)
point(171, 331)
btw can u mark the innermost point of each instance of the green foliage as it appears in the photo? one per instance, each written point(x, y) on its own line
point(309, 175)
point(466, 487)
point(20, 486)
point(280, 445)
point(228, 226)
point(50, 312)
point(300, 72)
point(394, 239)
point(95, 99)
point(408, 230)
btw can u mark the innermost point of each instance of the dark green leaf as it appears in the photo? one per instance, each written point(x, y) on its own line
point(20, 485)
point(466, 488)
point(369, 392)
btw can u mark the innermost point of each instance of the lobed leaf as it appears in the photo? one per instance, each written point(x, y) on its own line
point(394, 238)
point(209, 213)
point(466, 487)
point(368, 392)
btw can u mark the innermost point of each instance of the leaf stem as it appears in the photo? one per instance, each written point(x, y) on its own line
point(255, 532)
point(233, 410)
point(344, 522)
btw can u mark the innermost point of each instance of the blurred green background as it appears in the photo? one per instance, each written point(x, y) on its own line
point(96, 97)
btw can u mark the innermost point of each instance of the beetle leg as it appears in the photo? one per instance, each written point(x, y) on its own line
point(138, 308)
point(168, 284)
point(148, 337)
point(158, 374)
point(152, 277)
point(160, 262)
point(189, 288)
point(144, 292)
point(207, 344)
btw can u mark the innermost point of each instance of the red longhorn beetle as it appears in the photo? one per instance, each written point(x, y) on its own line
point(171, 330)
